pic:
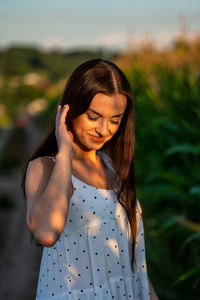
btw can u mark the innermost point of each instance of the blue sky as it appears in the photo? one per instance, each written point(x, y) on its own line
point(108, 23)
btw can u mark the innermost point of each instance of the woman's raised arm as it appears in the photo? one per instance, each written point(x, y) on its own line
point(49, 187)
point(48, 191)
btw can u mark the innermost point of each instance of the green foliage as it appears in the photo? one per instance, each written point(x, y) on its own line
point(15, 99)
point(20, 61)
point(16, 63)
point(167, 159)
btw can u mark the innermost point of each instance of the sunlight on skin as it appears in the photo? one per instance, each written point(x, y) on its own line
point(102, 121)
point(57, 221)
point(55, 227)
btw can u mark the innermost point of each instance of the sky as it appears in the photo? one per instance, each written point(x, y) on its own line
point(65, 24)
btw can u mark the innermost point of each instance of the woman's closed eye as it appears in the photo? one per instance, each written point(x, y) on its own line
point(92, 118)
point(115, 122)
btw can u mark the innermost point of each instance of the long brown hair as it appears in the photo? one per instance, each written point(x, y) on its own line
point(88, 79)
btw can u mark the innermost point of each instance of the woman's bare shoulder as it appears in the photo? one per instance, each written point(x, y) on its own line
point(42, 161)
point(42, 164)
point(38, 173)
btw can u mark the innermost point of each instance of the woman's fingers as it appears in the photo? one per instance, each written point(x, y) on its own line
point(63, 136)
point(64, 113)
point(61, 114)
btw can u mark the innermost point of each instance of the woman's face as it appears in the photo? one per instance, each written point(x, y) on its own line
point(100, 122)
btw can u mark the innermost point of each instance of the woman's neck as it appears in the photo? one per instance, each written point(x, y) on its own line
point(90, 156)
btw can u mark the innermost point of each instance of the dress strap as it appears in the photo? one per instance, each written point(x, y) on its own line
point(107, 160)
point(103, 155)
point(51, 157)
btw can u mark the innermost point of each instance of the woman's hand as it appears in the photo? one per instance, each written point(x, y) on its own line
point(63, 136)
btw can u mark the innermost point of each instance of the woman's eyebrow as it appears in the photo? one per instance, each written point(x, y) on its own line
point(95, 112)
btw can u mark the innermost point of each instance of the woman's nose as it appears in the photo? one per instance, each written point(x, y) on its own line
point(103, 128)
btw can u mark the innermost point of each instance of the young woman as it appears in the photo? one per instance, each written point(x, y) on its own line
point(80, 192)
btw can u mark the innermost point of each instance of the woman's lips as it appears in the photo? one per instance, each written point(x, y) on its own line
point(97, 139)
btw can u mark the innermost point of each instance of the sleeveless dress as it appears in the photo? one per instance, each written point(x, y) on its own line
point(92, 258)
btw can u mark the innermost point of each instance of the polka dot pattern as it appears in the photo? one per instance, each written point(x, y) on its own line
point(92, 258)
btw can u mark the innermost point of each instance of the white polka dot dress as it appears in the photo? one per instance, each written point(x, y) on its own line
point(92, 258)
